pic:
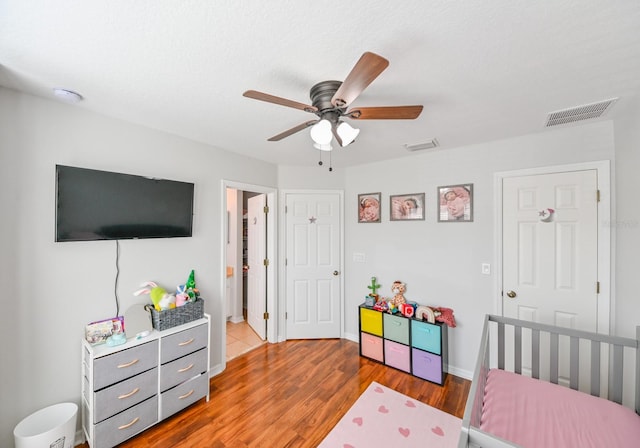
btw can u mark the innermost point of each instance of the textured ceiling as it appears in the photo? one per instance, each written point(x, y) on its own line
point(484, 70)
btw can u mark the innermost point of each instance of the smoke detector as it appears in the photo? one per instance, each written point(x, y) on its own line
point(67, 95)
point(579, 113)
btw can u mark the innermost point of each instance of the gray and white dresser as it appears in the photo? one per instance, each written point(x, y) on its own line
point(130, 387)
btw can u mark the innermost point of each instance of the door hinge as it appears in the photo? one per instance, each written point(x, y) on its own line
point(285, 261)
point(266, 316)
point(597, 287)
point(266, 209)
point(266, 262)
point(285, 209)
point(597, 195)
point(286, 316)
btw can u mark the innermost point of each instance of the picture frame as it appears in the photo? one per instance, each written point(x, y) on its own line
point(369, 207)
point(455, 203)
point(406, 207)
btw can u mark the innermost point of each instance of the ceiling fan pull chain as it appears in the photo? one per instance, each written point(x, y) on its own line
point(330, 162)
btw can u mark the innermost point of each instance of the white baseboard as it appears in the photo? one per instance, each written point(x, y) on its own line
point(79, 438)
point(352, 337)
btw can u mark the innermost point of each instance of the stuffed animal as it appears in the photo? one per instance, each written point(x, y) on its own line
point(445, 315)
point(181, 295)
point(159, 297)
point(398, 288)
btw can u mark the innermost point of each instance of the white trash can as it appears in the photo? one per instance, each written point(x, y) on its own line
point(51, 427)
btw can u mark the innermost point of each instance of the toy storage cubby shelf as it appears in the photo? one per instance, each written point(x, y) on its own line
point(130, 387)
point(413, 346)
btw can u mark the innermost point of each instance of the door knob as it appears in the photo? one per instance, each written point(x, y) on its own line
point(335, 273)
point(511, 294)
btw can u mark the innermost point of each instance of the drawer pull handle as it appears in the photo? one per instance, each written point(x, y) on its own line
point(134, 391)
point(188, 394)
point(134, 421)
point(185, 368)
point(182, 344)
point(129, 364)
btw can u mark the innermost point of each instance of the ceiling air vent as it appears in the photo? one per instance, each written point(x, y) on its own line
point(586, 112)
point(431, 144)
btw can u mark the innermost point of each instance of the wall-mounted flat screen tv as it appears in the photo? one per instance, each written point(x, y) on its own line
point(101, 205)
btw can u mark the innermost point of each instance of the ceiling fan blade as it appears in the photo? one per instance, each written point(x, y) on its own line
point(385, 113)
point(277, 100)
point(292, 131)
point(368, 67)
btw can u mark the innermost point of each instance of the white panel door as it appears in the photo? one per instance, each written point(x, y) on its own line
point(550, 263)
point(313, 266)
point(257, 271)
point(550, 259)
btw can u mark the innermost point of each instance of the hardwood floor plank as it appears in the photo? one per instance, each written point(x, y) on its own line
point(289, 395)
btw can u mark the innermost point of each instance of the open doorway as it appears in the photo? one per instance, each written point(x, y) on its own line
point(246, 293)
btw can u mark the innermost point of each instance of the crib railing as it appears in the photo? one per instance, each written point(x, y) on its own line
point(545, 340)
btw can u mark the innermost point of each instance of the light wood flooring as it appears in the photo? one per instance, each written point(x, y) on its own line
point(240, 339)
point(289, 394)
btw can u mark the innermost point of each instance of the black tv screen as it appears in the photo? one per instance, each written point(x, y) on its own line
point(101, 205)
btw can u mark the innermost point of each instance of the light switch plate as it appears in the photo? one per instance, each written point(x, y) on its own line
point(486, 268)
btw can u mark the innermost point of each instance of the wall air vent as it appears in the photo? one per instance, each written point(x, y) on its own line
point(579, 113)
point(431, 144)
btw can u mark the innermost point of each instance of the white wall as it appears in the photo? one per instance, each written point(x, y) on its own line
point(626, 225)
point(51, 290)
point(441, 262)
point(311, 178)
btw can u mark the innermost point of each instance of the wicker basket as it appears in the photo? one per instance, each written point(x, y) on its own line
point(165, 319)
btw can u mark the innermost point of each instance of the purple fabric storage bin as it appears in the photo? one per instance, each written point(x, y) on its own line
point(427, 366)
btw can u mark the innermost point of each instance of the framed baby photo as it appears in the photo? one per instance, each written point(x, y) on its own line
point(369, 207)
point(407, 207)
point(455, 203)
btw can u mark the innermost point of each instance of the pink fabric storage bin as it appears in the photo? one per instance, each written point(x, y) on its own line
point(371, 347)
point(397, 355)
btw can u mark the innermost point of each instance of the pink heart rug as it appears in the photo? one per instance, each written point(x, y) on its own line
point(382, 417)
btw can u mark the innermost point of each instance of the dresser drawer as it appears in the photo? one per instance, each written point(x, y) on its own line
point(181, 369)
point(397, 355)
point(111, 400)
point(124, 364)
point(426, 336)
point(427, 366)
point(181, 396)
point(371, 346)
point(371, 321)
point(122, 426)
point(396, 328)
point(184, 342)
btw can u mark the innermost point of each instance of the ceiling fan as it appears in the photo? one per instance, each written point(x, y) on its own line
point(329, 102)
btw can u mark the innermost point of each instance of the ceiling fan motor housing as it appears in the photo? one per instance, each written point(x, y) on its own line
point(321, 95)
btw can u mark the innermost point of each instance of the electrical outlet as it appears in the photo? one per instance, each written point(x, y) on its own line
point(358, 257)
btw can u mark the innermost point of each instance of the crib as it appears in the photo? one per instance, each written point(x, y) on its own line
point(538, 385)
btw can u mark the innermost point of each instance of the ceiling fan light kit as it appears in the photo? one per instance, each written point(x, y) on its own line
point(321, 132)
point(347, 133)
point(323, 147)
point(330, 100)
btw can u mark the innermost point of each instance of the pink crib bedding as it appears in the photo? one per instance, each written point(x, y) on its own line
point(534, 413)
